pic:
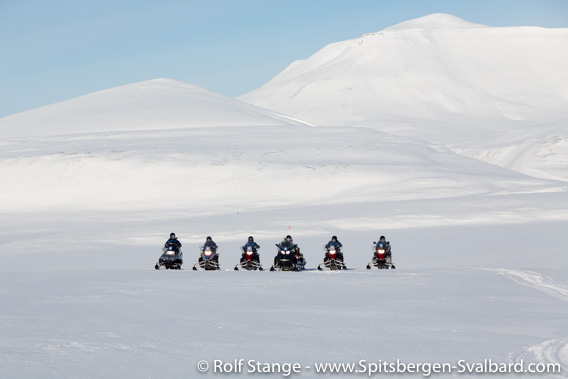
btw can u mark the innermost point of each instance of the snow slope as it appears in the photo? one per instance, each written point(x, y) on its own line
point(540, 150)
point(441, 79)
point(150, 105)
point(227, 168)
point(436, 67)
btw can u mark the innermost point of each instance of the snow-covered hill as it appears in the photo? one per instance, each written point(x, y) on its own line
point(151, 105)
point(441, 79)
point(540, 151)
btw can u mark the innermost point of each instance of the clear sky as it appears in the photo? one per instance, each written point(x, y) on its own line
point(55, 50)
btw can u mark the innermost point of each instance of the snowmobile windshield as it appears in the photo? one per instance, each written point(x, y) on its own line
point(172, 247)
point(383, 247)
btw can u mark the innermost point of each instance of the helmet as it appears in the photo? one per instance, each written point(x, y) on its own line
point(289, 238)
point(251, 239)
point(172, 236)
point(334, 239)
point(382, 238)
point(208, 239)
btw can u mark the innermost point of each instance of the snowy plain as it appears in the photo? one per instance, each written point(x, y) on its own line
point(91, 188)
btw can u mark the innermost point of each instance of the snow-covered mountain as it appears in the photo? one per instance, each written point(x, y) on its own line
point(150, 105)
point(442, 79)
point(438, 67)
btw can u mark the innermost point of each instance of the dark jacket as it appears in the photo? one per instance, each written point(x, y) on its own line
point(173, 241)
point(254, 245)
point(337, 245)
point(211, 244)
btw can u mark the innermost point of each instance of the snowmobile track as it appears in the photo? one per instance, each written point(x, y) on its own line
point(551, 351)
point(536, 281)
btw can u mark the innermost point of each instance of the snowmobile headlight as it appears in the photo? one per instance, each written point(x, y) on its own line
point(170, 252)
point(249, 252)
point(207, 252)
point(381, 251)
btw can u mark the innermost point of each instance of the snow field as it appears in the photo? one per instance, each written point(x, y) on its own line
point(413, 124)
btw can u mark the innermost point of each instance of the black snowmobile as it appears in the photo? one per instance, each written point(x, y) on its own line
point(333, 259)
point(208, 260)
point(382, 258)
point(288, 258)
point(250, 260)
point(171, 259)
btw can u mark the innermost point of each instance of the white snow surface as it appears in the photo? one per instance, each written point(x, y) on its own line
point(444, 80)
point(91, 188)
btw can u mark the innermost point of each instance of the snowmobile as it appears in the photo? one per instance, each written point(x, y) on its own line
point(333, 259)
point(208, 260)
point(381, 257)
point(250, 260)
point(172, 257)
point(288, 258)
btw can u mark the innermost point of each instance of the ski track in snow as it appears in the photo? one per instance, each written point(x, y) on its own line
point(550, 351)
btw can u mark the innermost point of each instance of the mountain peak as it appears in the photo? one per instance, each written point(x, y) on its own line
point(435, 21)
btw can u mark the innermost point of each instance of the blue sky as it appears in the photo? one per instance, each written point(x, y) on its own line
point(56, 50)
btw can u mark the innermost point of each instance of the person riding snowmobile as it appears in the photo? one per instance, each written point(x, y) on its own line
point(173, 240)
point(172, 257)
point(333, 258)
point(387, 245)
point(254, 246)
point(288, 243)
point(337, 245)
point(211, 244)
point(209, 258)
point(382, 256)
